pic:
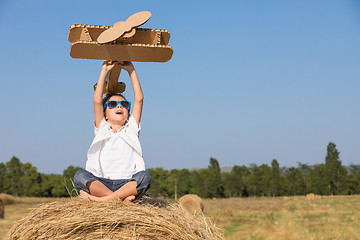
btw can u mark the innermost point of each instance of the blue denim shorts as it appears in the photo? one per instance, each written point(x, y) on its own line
point(142, 178)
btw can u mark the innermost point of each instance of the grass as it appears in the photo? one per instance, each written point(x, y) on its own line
point(335, 217)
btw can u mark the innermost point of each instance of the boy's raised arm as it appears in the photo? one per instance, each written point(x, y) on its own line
point(138, 94)
point(98, 107)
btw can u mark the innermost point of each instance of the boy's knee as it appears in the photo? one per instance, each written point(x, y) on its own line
point(147, 178)
point(81, 178)
point(143, 178)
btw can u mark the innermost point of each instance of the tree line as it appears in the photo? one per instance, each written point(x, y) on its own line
point(23, 179)
point(328, 178)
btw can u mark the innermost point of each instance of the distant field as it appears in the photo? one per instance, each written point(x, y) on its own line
point(335, 217)
point(257, 218)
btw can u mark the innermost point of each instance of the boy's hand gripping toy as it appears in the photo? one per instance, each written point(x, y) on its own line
point(122, 42)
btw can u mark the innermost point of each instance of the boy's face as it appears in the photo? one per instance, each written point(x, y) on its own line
point(117, 115)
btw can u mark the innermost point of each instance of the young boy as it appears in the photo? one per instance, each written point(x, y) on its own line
point(115, 168)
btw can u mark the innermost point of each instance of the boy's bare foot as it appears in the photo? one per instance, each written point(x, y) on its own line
point(84, 196)
point(129, 198)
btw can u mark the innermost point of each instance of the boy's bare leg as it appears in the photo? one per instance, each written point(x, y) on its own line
point(126, 193)
point(98, 189)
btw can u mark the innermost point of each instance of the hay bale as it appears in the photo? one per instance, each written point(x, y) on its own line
point(2, 209)
point(317, 197)
point(312, 196)
point(7, 199)
point(192, 203)
point(74, 219)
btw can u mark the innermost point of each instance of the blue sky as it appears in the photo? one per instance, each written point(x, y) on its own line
point(249, 81)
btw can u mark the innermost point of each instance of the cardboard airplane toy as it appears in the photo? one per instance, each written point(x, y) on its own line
point(123, 41)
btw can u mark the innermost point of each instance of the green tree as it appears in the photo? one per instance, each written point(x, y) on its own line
point(201, 182)
point(275, 178)
point(3, 171)
point(333, 166)
point(294, 179)
point(179, 182)
point(14, 174)
point(30, 181)
point(159, 182)
point(255, 180)
point(198, 185)
point(235, 181)
point(342, 184)
point(215, 186)
point(53, 186)
point(305, 169)
point(353, 180)
point(318, 179)
point(265, 186)
point(228, 184)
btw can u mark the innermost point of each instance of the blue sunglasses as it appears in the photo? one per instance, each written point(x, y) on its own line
point(112, 104)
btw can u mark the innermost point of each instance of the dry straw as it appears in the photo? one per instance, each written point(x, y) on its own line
point(112, 220)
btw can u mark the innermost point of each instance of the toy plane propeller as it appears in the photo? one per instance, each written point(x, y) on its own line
point(128, 27)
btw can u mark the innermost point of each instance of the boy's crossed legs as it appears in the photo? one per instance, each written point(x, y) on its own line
point(101, 189)
point(99, 192)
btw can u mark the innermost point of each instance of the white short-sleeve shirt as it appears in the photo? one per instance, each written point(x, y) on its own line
point(115, 155)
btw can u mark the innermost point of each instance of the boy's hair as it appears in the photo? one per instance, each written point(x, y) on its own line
point(108, 96)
